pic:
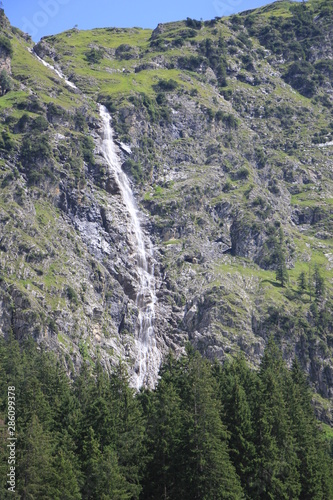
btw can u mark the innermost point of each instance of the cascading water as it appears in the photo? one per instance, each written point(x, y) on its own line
point(47, 65)
point(148, 356)
point(148, 360)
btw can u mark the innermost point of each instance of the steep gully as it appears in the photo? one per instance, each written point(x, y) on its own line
point(148, 356)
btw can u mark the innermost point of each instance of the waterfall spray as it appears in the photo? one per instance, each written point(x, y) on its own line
point(148, 360)
point(148, 356)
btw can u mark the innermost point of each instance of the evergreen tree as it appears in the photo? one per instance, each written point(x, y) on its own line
point(301, 282)
point(207, 471)
point(277, 473)
point(111, 411)
point(36, 475)
point(112, 485)
point(280, 258)
point(163, 438)
point(66, 483)
point(319, 283)
point(315, 465)
point(5, 82)
point(238, 388)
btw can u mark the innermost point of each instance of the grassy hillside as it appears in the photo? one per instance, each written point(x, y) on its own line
point(230, 126)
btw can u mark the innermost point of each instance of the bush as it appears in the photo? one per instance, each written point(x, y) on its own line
point(72, 295)
point(87, 147)
point(7, 142)
point(134, 169)
point(23, 122)
point(35, 148)
point(80, 121)
point(227, 94)
point(193, 23)
point(95, 55)
point(40, 124)
point(230, 121)
point(190, 63)
point(166, 85)
point(125, 51)
point(298, 76)
point(5, 82)
point(6, 46)
point(54, 111)
point(242, 173)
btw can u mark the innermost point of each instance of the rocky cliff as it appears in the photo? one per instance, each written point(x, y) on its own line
point(225, 129)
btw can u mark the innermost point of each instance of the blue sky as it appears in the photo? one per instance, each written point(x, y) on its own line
point(47, 17)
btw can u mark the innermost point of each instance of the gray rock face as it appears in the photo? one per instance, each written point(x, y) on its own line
point(217, 170)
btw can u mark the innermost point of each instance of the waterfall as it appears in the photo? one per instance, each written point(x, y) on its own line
point(148, 356)
point(59, 73)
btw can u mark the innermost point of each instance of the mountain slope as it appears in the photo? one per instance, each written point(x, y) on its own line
point(230, 128)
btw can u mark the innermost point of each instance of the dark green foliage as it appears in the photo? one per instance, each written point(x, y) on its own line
point(87, 148)
point(125, 51)
point(191, 63)
point(230, 121)
point(95, 56)
point(166, 85)
point(243, 173)
point(317, 283)
point(301, 282)
point(206, 432)
point(193, 23)
point(316, 481)
point(260, 157)
point(157, 110)
point(23, 122)
point(5, 82)
point(299, 76)
point(6, 142)
point(187, 440)
point(134, 169)
point(80, 122)
point(6, 46)
point(227, 93)
point(54, 112)
point(277, 474)
point(215, 58)
point(40, 124)
point(294, 39)
point(280, 258)
point(34, 149)
point(245, 40)
point(72, 295)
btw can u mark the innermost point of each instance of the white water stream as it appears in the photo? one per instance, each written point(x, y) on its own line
point(59, 73)
point(148, 356)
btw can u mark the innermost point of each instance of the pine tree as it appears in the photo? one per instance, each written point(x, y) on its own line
point(319, 283)
point(315, 465)
point(207, 471)
point(280, 257)
point(65, 476)
point(238, 392)
point(163, 438)
point(301, 282)
point(277, 473)
point(36, 475)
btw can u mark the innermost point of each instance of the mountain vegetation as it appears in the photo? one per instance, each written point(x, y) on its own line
point(205, 432)
point(225, 130)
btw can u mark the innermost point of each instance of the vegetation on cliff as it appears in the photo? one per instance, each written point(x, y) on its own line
point(229, 124)
point(205, 432)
